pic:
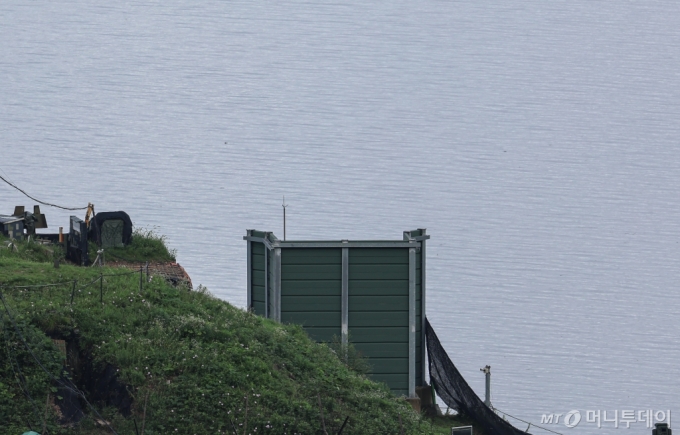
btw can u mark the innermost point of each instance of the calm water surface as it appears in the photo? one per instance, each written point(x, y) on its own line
point(536, 141)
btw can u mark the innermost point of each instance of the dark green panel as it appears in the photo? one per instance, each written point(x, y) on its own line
point(378, 318)
point(257, 248)
point(292, 256)
point(378, 271)
point(379, 335)
point(257, 290)
point(378, 288)
point(258, 278)
point(292, 253)
point(303, 272)
point(389, 365)
point(399, 260)
point(310, 303)
point(311, 288)
point(313, 319)
point(323, 334)
point(378, 303)
point(258, 308)
point(258, 293)
point(395, 382)
point(258, 262)
point(381, 350)
point(379, 253)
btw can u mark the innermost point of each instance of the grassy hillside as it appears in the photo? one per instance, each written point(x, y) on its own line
point(166, 360)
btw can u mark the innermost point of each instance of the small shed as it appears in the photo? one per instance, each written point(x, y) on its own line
point(369, 292)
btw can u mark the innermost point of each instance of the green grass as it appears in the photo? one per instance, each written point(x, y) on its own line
point(146, 245)
point(200, 364)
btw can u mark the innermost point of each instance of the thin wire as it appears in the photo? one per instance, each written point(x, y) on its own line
point(121, 274)
point(37, 200)
point(37, 285)
point(527, 422)
point(71, 387)
point(57, 284)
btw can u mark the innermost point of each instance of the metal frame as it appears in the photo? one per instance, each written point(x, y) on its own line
point(250, 272)
point(345, 297)
point(277, 284)
point(266, 282)
point(412, 322)
point(413, 243)
point(423, 257)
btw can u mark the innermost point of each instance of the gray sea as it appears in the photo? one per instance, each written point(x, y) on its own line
point(538, 142)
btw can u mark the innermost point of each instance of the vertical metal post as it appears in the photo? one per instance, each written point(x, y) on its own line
point(487, 396)
point(141, 277)
point(423, 350)
point(249, 273)
point(344, 328)
point(267, 253)
point(101, 287)
point(73, 292)
point(148, 277)
point(412, 322)
point(284, 217)
point(277, 284)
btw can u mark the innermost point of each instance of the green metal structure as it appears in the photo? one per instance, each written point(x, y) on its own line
point(369, 292)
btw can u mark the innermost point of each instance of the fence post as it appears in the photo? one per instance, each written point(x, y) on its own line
point(101, 287)
point(148, 279)
point(141, 270)
point(73, 292)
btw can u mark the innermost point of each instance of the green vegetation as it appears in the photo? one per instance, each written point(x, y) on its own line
point(146, 245)
point(191, 363)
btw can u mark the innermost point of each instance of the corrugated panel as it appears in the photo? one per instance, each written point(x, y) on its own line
point(419, 335)
point(257, 277)
point(379, 312)
point(311, 287)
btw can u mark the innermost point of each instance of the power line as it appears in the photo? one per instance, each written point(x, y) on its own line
point(37, 200)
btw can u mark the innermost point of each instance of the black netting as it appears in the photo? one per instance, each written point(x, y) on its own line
point(457, 394)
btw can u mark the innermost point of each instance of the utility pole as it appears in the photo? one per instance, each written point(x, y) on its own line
point(284, 205)
point(487, 372)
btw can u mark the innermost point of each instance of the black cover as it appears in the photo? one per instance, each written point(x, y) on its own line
point(100, 218)
point(456, 393)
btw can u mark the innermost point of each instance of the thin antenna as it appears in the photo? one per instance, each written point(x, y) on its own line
point(284, 205)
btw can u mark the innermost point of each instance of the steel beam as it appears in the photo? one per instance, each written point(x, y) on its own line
point(250, 273)
point(345, 296)
point(412, 322)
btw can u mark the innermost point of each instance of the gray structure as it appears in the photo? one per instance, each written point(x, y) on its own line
point(371, 293)
point(12, 227)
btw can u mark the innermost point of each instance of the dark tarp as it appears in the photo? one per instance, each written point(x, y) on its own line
point(117, 220)
point(457, 394)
